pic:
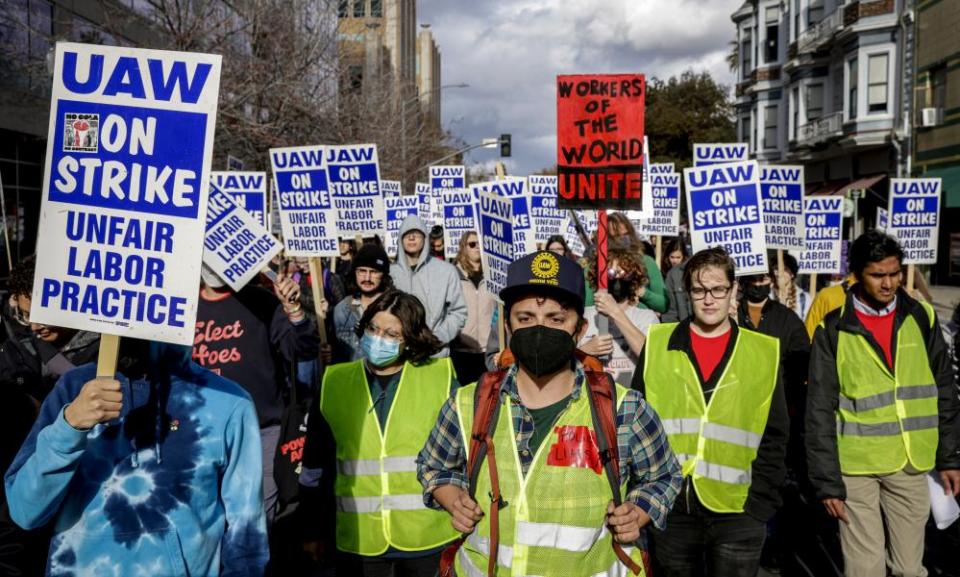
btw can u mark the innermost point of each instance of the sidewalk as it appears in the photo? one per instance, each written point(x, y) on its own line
point(945, 298)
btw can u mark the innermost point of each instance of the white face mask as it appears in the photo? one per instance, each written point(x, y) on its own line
point(210, 278)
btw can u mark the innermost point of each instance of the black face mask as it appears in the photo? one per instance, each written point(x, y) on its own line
point(757, 293)
point(542, 350)
point(621, 289)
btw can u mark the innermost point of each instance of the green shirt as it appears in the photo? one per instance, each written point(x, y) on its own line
point(543, 420)
point(655, 298)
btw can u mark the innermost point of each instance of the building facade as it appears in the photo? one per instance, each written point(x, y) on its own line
point(828, 84)
point(428, 76)
point(378, 44)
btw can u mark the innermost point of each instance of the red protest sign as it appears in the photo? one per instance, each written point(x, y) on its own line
point(600, 140)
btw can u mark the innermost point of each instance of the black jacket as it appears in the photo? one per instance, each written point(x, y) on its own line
point(769, 468)
point(823, 397)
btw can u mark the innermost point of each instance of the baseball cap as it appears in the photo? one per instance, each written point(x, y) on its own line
point(543, 272)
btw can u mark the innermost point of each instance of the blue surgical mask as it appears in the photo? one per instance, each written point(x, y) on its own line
point(378, 350)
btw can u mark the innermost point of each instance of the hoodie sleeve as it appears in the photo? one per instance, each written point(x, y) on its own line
point(456, 316)
point(40, 475)
point(296, 341)
point(244, 547)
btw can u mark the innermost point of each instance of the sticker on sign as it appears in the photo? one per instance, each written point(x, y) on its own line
point(125, 188)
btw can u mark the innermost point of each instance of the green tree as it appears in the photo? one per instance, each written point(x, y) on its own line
point(683, 110)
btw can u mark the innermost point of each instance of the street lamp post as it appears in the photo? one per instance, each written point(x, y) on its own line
point(403, 121)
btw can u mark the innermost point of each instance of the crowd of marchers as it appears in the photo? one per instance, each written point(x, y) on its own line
point(673, 420)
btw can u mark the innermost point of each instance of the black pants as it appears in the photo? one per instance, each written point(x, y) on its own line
point(359, 566)
point(701, 543)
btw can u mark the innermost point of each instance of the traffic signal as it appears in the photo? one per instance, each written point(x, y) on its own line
point(505, 146)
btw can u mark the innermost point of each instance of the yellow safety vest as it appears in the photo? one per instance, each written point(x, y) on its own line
point(716, 442)
point(886, 420)
point(379, 499)
point(554, 521)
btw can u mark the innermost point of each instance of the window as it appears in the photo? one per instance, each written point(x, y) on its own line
point(376, 8)
point(772, 46)
point(852, 82)
point(355, 77)
point(745, 129)
point(770, 126)
point(358, 8)
point(795, 112)
point(814, 101)
point(796, 19)
point(815, 12)
point(342, 8)
point(753, 137)
point(938, 87)
point(746, 50)
point(877, 83)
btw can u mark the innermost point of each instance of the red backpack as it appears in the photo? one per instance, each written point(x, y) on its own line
point(603, 408)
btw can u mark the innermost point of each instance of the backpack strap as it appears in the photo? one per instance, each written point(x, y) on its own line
point(603, 409)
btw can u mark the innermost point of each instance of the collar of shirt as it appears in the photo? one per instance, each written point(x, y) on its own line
point(509, 386)
point(865, 309)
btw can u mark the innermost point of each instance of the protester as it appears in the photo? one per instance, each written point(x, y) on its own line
point(674, 254)
point(882, 410)
point(372, 418)
point(678, 305)
point(796, 299)
point(347, 248)
point(436, 242)
point(469, 348)
point(33, 355)
point(623, 235)
point(718, 390)
point(432, 280)
point(628, 324)
point(370, 278)
point(253, 340)
point(558, 244)
point(549, 496)
point(155, 472)
point(827, 300)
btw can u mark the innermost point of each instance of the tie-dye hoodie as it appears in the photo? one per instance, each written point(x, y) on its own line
point(172, 487)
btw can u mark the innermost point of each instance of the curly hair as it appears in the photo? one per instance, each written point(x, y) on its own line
point(419, 342)
point(630, 261)
point(21, 277)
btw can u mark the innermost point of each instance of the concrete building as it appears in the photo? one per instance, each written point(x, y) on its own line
point(378, 43)
point(428, 76)
point(936, 120)
point(828, 84)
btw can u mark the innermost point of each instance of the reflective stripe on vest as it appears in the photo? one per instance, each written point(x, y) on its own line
point(379, 499)
point(555, 521)
point(716, 443)
point(887, 419)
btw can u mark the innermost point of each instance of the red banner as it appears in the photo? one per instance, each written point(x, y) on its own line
point(600, 141)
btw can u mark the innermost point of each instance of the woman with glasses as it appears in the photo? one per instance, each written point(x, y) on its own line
point(372, 419)
point(469, 348)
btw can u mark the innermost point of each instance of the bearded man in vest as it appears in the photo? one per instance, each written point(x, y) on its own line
point(718, 390)
point(882, 410)
point(556, 511)
point(372, 418)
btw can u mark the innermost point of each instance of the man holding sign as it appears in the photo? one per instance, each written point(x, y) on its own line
point(154, 469)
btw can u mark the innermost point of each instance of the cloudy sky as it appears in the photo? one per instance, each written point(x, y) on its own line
point(510, 51)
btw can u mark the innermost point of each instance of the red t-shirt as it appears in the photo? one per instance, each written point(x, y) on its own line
point(709, 351)
point(881, 327)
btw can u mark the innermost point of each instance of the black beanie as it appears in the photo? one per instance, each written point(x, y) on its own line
point(372, 256)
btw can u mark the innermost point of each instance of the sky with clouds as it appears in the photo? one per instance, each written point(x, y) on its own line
point(510, 52)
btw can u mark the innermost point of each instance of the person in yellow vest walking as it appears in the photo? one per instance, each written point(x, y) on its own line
point(373, 416)
point(546, 502)
point(882, 410)
point(718, 389)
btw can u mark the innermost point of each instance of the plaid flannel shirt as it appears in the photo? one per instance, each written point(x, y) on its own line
point(647, 464)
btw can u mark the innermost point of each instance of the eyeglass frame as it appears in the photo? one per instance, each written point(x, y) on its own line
point(375, 331)
point(726, 292)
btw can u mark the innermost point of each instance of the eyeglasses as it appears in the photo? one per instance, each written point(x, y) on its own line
point(472, 244)
point(717, 292)
point(375, 331)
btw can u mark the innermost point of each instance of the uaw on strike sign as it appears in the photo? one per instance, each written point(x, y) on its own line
point(600, 141)
point(125, 191)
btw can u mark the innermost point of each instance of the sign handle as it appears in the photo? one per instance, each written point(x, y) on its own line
point(316, 275)
point(781, 289)
point(911, 278)
point(107, 359)
point(813, 286)
point(501, 328)
point(659, 250)
point(6, 230)
point(603, 323)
